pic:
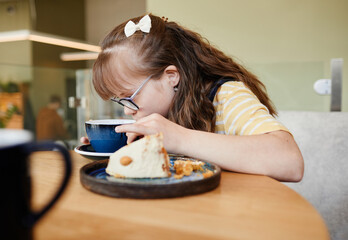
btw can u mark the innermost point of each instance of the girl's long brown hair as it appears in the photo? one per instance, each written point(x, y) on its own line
point(199, 65)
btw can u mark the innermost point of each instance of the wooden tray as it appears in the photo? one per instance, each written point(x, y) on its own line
point(94, 178)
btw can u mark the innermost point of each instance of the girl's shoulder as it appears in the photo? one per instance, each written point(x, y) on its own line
point(233, 85)
point(232, 88)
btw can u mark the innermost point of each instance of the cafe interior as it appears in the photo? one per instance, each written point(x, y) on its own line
point(296, 48)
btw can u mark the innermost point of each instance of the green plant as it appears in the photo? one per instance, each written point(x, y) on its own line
point(5, 117)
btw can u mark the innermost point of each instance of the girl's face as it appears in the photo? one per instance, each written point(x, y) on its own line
point(155, 96)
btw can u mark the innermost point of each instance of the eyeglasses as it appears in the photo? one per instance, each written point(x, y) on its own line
point(128, 101)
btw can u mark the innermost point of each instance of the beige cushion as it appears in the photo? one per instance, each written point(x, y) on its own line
point(323, 140)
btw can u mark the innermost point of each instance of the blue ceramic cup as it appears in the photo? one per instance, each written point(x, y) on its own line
point(102, 135)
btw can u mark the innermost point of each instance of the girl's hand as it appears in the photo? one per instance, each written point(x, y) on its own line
point(84, 140)
point(173, 134)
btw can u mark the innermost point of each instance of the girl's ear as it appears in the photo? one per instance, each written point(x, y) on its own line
point(172, 75)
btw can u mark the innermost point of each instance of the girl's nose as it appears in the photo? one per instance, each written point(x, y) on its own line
point(129, 111)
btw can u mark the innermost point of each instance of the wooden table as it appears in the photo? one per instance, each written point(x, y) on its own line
point(242, 207)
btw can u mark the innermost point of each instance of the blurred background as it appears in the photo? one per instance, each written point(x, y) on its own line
point(288, 44)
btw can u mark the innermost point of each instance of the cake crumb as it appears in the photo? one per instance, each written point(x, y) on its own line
point(207, 174)
point(185, 168)
point(188, 169)
point(178, 176)
point(198, 166)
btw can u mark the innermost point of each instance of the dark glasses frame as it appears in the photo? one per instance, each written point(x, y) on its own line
point(128, 101)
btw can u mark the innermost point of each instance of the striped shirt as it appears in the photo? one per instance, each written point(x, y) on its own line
point(240, 112)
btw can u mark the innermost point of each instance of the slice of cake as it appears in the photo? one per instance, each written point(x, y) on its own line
point(145, 158)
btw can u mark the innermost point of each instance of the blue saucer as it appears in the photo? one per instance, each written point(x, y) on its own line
point(87, 151)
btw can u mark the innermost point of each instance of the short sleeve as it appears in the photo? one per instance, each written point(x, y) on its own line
point(239, 112)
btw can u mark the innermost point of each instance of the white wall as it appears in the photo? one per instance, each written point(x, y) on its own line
point(15, 53)
point(103, 15)
point(287, 43)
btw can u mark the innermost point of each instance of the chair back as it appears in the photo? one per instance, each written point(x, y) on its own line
point(323, 140)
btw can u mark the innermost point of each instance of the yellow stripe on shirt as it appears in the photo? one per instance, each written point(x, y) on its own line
point(240, 112)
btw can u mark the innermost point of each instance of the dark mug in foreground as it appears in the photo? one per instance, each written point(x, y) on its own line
point(102, 135)
point(15, 149)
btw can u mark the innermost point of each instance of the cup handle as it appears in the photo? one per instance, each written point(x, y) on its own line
point(33, 217)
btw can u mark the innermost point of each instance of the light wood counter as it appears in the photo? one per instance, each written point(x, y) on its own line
point(242, 207)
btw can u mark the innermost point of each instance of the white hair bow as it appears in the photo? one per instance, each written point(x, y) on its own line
point(144, 25)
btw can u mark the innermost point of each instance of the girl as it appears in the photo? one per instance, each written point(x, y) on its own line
point(171, 80)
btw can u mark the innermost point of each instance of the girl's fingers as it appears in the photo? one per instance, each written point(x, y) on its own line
point(134, 131)
point(135, 128)
point(84, 140)
point(131, 137)
point(149, 125)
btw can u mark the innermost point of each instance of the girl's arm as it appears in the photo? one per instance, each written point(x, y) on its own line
point(274, 154)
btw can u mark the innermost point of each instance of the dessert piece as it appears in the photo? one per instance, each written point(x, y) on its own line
point(185, 168)
point(145, 158)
